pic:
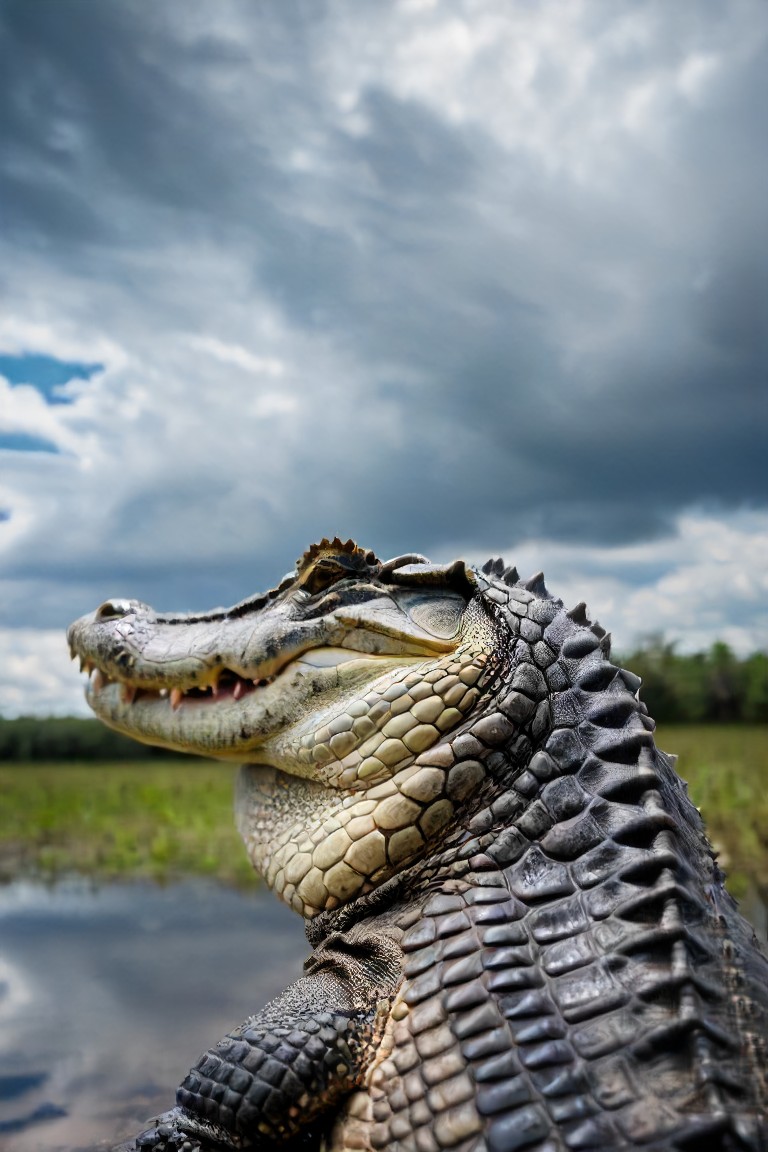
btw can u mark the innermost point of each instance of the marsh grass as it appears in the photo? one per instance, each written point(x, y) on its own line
point(158, 820)
point(165, 819)
point(726, 767)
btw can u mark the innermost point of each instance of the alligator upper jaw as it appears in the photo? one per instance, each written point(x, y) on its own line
point(205, 655)
point(226, 688)
point(146, 655)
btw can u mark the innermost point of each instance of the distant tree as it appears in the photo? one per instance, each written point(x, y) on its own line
point(653, 663)
point(66, 738)
point(689, 676)
point(756, 688)
point(702, 687)
point(724, 688)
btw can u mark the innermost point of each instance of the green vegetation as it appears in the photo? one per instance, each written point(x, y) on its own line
point(713, 687)
point(164, 819)
point(148, 820)
point(726, 767)
point(33, 738)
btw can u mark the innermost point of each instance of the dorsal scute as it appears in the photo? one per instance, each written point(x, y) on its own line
point(344, 550)
point(494, 567)
point(537, 586)
point(579, 614)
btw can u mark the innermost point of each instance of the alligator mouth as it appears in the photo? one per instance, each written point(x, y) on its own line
point(232, 715)
point(223, 685)
point(229, 685)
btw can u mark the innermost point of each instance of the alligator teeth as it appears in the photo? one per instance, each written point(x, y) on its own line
point(237, 685)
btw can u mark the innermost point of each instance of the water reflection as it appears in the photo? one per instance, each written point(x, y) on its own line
point(107, 996)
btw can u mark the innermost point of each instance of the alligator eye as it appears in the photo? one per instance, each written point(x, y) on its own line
point(440, 617)
point(321, 575)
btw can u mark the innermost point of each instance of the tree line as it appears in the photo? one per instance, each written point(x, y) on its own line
point(67, 738)
point(714, 687)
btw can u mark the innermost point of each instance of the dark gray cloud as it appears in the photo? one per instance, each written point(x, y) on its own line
point(442, 277)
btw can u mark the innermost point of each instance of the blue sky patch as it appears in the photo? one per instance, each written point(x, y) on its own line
point(26, 442)
point(45, 373)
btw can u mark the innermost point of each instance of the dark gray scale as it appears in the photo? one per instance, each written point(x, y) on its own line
point(472, 974)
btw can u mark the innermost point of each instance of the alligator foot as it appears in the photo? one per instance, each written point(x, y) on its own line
point(179, 1131)
point(176, 1131)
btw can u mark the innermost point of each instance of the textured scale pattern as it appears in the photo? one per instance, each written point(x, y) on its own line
point(557, 968)
point(325, 861)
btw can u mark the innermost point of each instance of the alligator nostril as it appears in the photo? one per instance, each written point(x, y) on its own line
point(112, 610)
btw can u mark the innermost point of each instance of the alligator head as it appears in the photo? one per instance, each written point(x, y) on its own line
point(330, 687)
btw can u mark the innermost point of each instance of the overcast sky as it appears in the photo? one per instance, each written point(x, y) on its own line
point(467, 277)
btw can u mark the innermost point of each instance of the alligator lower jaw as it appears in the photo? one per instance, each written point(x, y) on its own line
point(239, 719)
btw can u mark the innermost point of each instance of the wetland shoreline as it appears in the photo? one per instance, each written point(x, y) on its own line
point(166, 820)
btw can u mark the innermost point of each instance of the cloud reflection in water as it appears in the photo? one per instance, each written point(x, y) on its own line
point(108, 996)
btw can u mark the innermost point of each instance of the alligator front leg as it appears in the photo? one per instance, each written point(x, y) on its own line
point(280, 1072)
point(278, 1079)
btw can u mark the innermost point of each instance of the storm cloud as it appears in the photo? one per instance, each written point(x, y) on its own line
point(462, 277)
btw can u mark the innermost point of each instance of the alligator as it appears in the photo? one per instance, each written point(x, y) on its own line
point(520, 935)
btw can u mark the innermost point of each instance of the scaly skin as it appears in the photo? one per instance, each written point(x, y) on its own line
point(521, 938)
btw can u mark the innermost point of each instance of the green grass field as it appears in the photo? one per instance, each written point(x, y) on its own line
point(162, 820)
point(157, 820)
point(726, 767)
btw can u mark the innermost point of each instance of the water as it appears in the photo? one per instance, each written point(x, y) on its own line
point(107, 996)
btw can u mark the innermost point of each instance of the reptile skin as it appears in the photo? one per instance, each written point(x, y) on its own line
point(521, 939)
